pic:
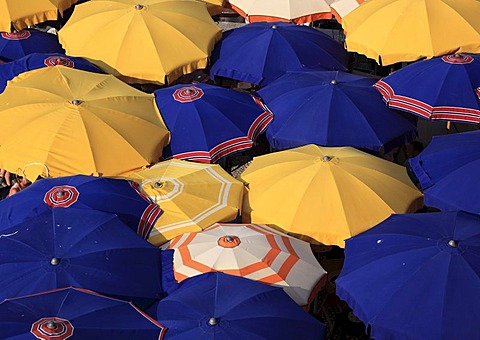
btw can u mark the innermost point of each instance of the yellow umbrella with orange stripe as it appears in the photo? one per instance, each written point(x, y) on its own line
point(192, 196)
point(256, 252)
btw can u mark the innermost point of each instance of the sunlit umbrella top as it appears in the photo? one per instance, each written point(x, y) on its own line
point(296, 11)
point(153, 41)
point(76, 122)
point(25, 13)
point(392, 31)
point(192, 196)
point(326, 194)
point(253, 251)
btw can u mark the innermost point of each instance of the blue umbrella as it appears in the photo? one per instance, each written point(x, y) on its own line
point(415, 276)
point(17, 45)
point(332, 108)
point(110, 195)
point(447, 170)
point(260, 52)
point(76, 313)
point(208, 122)
point(82, 248)
point(220, 306)
point(445, 88)
point(39, 60)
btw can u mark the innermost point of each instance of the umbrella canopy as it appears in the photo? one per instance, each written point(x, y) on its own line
point(151, 41)
point(415, 276)
point(76, 313)
point(116, 196)
point(326, 194)
point(392, 31)
point(341, 8)
point(192, 196)
point(19, 44)
point(332, 108)
point(56, 248)
point(295, 11)
point(34, 61)
point(440, 88)
point(77, 122)
point(447, 170)
point(21, 14)
point(209, 122)
point(221, 306)
point(252, 251)
point(259, 53)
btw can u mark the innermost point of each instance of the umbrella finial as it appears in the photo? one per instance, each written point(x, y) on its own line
point(138, 6)
point(158, 184)
point(453, 243)
point(327, 158)
point(274, 27)
point(334, 82)
point(61, 194)
point(51, 324)
point(55, 261)
point(76, 102)
point(213, 321)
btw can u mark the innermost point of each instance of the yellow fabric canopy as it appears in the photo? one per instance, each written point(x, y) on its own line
point(30, 12)
point(392, 31)
point(76, 122)
point(148, 41)
point(192, 196)
point(326, 194)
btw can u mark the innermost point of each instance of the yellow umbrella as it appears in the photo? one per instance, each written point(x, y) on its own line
point(77, 122)
point(326, 194)
point(25, 13)
point(192, 196)
point(143, 41)
point(392, 31)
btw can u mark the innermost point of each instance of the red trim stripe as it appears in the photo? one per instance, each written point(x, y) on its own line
point(149, 215)
point(232, 145)
point(425, 110)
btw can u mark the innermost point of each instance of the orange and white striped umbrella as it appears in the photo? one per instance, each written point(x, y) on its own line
point(340, 8)
point(253, 251)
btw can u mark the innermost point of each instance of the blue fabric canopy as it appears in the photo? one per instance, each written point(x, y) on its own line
point(221, 306)
point(446, 88)
point(78, 247)
point(17, 45)
point(76, 314)
point(260, 52)
point(448, 169)
point(208, 122)
point(116, 196)
point(39, 60)
point(415, 276)
point(332, 108)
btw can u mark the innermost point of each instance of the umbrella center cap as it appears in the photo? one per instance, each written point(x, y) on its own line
point(61, 194)
point(52, 325)
point(229, 241)
point(158, 185)
point(213, 321)
point(334, 82)
point(274, 27)
point(55, 261)
point(76, 102)
point(138, 6)
point(452, 243)
point(327, 158)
